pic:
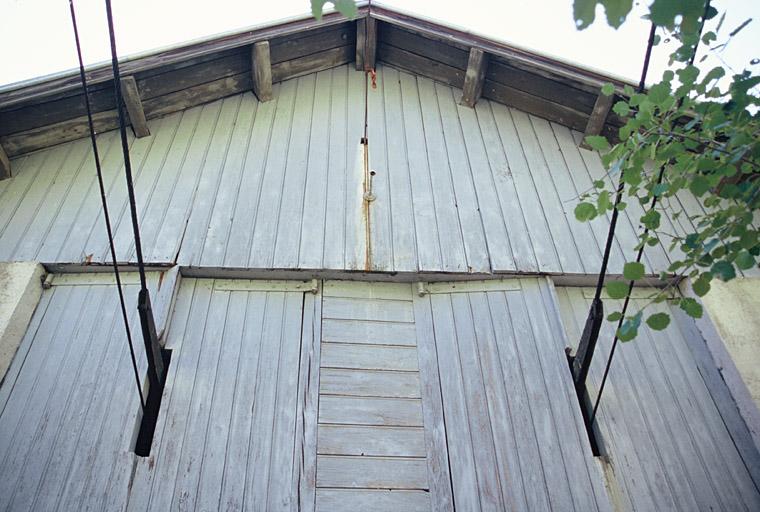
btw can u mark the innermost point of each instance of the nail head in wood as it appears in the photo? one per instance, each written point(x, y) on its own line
point(132, 101)
point(366, 43)
point(261, 69)
point(474, 77)
point(5, 165)
point(598, 117)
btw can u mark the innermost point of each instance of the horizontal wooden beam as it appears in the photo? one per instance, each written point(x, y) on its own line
point(474, 77)
point(261, 70)
point(134, 105)
point(366, 44)
point(5, 165)
point(598, 116)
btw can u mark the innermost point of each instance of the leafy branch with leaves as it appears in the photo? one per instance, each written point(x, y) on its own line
point(693, 132)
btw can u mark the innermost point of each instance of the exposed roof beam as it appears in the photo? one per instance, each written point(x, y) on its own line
point(5, 165)
point(261, 69)
point(474, 77)
point(134, 105)
point(598, 116)
point(366, 43)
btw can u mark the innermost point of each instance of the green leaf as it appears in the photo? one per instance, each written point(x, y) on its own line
point(658, 321)
point(584, 12)
point(701, 285)
point(744, 260)
point(585, 212)
point(608, 89)
point(699, 185)
point(633, 270)
point(723, 270)
point(691, 307)
point(598, 143)
point(621, 108)
point(651, 219)
point(346, 7)
point(616, 289)
point(617, 11)
point(615, 316)
point(630, 328)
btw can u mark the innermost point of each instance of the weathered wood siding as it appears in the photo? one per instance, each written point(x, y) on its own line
point(227, 437)
point(515, 437)
point(68, 405)
point(668, 445)
point(241, 184)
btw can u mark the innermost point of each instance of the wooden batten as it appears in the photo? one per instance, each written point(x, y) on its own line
point(5, 165)
point(134, 105)
point(366, 43)
point(261, 70)
point(474, 77)
point(598, 116)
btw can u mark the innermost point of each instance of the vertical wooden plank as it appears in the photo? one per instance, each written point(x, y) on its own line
point(468, 208)
point(423, 203)
point(216, 237)
point(259, 465)
point(131, 95)
point(240, 238)
point(5, 165)
point(290, 217)
point(261, 69)
point(598, 116)
point(305, 464)
point(216, 444)
point(335, 225)
point(238, 447)
point(478, 417)
point(189, 240)
point(315, 207)
point(463, 471)
point(366, 43)
point(265, 223)
point(282, 478)
point(197, 423)
point(439, 473)
point(477, 64)
point(402, 215)
point(450, 237)
point(357, 246)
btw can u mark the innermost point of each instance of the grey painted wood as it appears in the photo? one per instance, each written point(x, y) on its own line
point(69, 408)
point(672, 445)
point(369, 383)
point(371, 441)
point(337, 500)
point(371, 472)
point(511, 430)
point(368, 357)
point(370, 411)
point(250, 185)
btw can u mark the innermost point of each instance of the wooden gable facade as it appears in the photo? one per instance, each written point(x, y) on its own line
point(331, 352)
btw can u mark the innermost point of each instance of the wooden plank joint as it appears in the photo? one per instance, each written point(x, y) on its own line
point(474, 77)
point(598, 117)
point(134, 105)
point(366, 43)
point(5, 165)
point(261, 70)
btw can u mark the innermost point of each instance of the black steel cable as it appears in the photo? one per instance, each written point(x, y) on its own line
point(125, 147)
point(652, 205)
point(109, 231)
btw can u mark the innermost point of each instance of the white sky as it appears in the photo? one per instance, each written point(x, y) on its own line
point(37, 39)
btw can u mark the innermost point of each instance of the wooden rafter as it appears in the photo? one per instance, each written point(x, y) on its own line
point(366, 43)
point(134, 105)
point(261, 70)
point(598, 116)
point(474, 77)
point(5, 165)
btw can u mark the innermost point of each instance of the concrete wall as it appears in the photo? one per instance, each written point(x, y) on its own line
point(20, 291)
point(734, 307)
